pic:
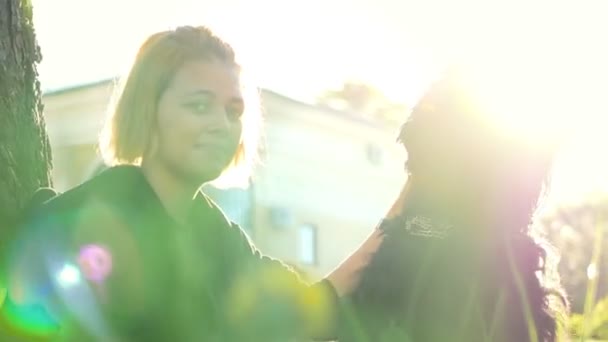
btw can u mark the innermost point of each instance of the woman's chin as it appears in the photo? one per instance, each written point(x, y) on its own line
point(204, 174)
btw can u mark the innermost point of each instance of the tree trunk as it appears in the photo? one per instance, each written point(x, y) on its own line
point(25, 154)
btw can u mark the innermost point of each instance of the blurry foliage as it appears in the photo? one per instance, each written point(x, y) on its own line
point(579, 233)
point(596, 326)
point(364, 100)
point(573, 230)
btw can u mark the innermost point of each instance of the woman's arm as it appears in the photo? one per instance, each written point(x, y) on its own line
point(315, 308)
point(346, 276)
point(313, 311)
point(269, 297)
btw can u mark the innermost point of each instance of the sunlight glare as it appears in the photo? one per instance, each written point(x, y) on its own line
point(592, 271)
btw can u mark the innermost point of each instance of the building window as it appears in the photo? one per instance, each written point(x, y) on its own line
point(374, 154)
point(307, 244)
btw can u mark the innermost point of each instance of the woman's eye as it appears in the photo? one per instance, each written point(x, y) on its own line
point(234, 112)
point(199, 107)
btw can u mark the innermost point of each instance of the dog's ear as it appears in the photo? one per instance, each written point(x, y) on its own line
point(41, 196)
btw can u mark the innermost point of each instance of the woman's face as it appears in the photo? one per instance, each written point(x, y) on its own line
point(198, 121)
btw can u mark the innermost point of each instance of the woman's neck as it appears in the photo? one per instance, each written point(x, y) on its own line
point(174, 192)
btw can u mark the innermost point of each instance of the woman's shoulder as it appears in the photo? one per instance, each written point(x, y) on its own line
point(108, 189)
point(216, 218)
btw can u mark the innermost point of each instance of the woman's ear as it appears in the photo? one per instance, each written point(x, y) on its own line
point(152, 147)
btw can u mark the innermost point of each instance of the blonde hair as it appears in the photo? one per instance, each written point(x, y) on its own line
point(132, 116)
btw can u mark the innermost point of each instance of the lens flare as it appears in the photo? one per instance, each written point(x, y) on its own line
point(68, 276)
point(27, 321)
point(95, 262)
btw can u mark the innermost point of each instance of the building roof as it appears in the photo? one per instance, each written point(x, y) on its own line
point(327, 110)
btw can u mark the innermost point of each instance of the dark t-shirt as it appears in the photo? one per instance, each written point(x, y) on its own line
point(106, 260)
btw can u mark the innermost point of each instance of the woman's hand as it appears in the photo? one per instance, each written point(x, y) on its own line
point(346, 276)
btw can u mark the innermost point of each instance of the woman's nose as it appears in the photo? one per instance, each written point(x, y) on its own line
point(220, 122)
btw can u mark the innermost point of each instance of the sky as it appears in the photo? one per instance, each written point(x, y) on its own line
point(295, 47)
point(301, 48)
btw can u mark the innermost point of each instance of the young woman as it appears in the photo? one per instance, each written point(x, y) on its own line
point(459, 261)
point(138, 252)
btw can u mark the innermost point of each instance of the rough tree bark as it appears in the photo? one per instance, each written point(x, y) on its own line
point(25, 156)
